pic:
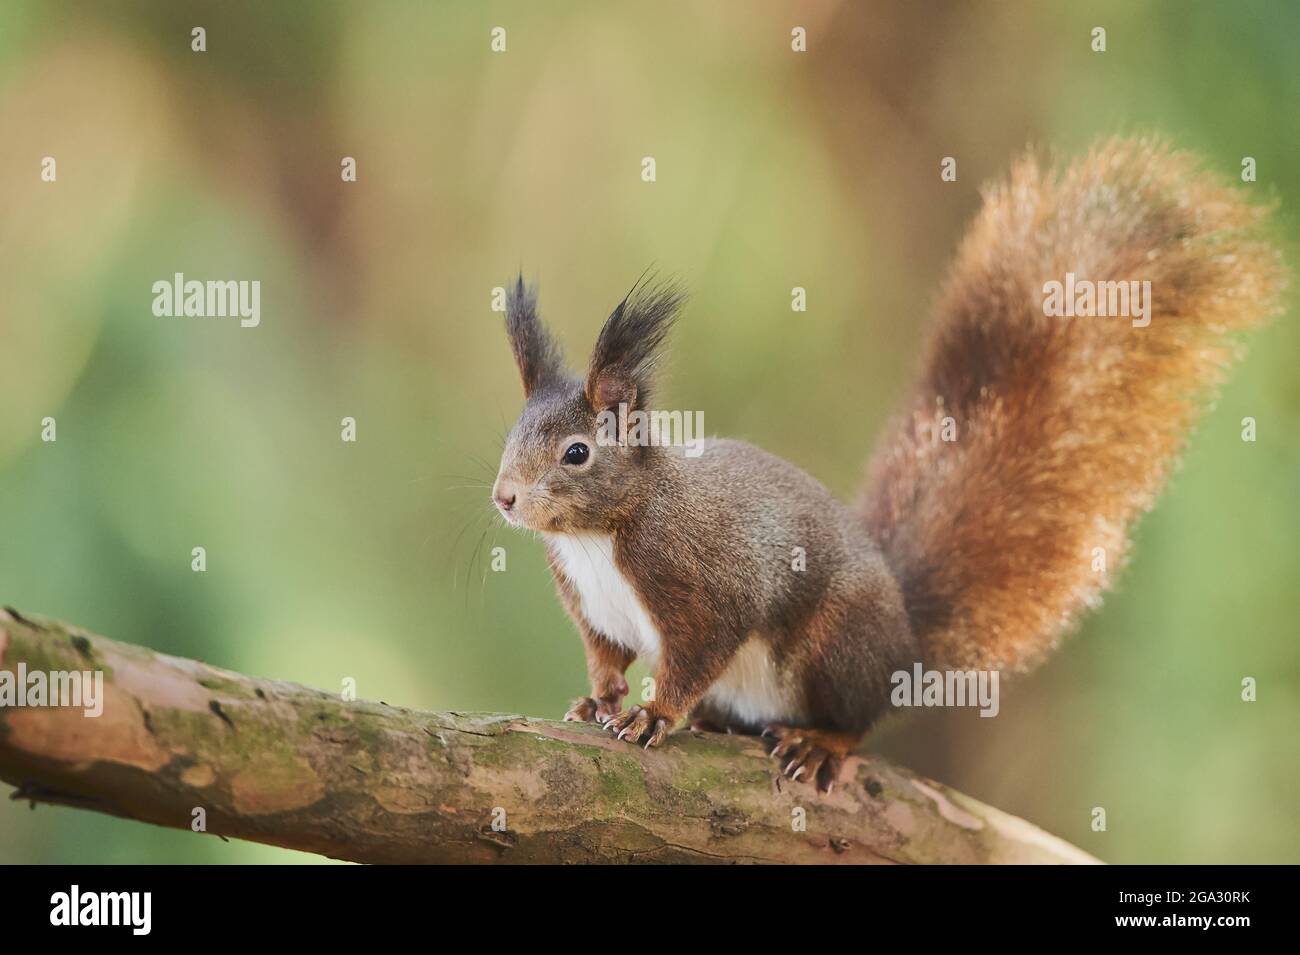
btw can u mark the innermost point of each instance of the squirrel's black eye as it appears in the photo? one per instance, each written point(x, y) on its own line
point(577, 453)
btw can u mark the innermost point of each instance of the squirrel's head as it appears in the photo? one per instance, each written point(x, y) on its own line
point(562, 468)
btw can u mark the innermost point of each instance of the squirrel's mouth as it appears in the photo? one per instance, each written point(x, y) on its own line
point(523, 517)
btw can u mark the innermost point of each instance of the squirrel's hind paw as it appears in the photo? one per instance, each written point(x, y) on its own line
point(811, 756)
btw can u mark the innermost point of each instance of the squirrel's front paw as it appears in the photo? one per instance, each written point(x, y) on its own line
point(634, 723)
point(586, 709)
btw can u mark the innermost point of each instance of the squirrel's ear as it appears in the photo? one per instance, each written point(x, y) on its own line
point(536, 353)
point(622, 364)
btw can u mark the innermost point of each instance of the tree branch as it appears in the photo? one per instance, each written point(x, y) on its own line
point(283, 764)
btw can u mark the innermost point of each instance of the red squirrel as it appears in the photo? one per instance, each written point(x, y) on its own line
point(975, 552)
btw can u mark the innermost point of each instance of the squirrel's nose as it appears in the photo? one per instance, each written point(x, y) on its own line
point(503, 493)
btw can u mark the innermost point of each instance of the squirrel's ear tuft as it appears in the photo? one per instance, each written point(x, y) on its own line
point(536, 352)
point(623, 362)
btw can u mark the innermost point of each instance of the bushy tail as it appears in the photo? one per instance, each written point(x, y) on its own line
point(1064, 428)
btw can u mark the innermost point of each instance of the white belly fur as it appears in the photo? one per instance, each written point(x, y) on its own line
point(751, 689)
point(609, 602)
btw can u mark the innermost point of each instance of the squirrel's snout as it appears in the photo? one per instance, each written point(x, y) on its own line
point(504, 495)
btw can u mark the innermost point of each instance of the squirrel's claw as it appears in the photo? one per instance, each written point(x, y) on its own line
point(657, 736)
point(636, 722)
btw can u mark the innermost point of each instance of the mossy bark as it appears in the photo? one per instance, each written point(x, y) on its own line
point(291, 766)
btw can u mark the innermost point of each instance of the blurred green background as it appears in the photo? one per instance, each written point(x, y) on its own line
point(329, 560)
